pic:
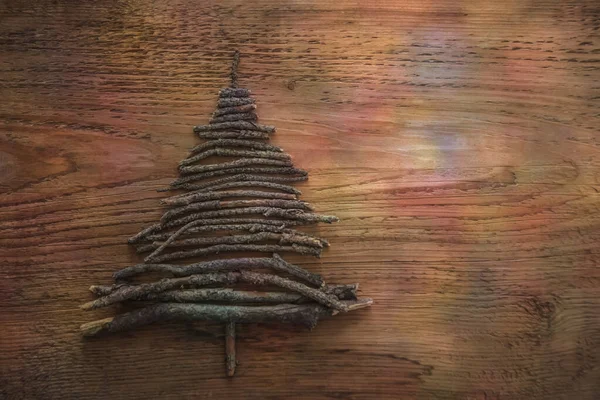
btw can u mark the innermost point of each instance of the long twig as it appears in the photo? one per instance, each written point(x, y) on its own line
point(236, 125)
point(242, 170)
point(268, 212)
point(252, 228)
point(235, 248)
point(132, 292)
point(226, 204)
point(292, 214)
point(234, 110)
point(210, 144)
point(242, 162)
point(235, 153)
point(241, 184)
point(281, 238)
point(256, 236)
point(234, 92)
point(238, 178)
point(230, 264)
point(300, 314)
point(204, 196)
point(245, 116)
point(235, 101)
point(231, 134)
point(220, 295)
point(216, 221)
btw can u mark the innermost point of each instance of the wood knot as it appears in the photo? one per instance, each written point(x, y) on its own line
point(291, 84)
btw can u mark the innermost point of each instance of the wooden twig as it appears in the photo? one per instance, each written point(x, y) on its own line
point(210, 144)
point(230, 360)
point(235, 248)
point(236, 125)
point(227, 204)
point(241, 171)
point(252, 228)
point(144, 232)
point(234, 92)
point(132, 292)
point(224, 265)
point(298, 272)
point(234, 110)
point(300, 314)
point(231, 296)
point(217, 221)
point(239, 178)
point(246, 116)
point(291, 214)
point(204, 196)
point(234, 69)
point(234, 101)
point(281, 238)
point(342, 292)
point(226, 295)
point(248, 184)
point(242, 162)
point(314, 294)
point(231, 134)
point(256, 236)
point(235, 153)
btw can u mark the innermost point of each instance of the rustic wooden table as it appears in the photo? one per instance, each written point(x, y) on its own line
point(457, 140)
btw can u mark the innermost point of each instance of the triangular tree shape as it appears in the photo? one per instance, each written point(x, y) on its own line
point(242, 205)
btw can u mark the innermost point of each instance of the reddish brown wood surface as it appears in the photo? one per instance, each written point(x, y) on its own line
point(457, 141)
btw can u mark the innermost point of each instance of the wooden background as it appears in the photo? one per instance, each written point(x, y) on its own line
point(457, 141)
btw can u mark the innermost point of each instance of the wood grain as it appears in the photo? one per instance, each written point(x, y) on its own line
point(457, 141)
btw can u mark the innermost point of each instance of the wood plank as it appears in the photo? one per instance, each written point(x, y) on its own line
point(457, 141)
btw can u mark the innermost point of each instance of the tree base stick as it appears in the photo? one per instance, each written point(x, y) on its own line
point(230, 360)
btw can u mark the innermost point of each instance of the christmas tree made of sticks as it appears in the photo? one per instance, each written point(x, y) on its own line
point(238, 206)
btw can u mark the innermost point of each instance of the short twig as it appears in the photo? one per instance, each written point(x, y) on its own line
point(234, 69)
point(230, 360)
point(342, 292)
